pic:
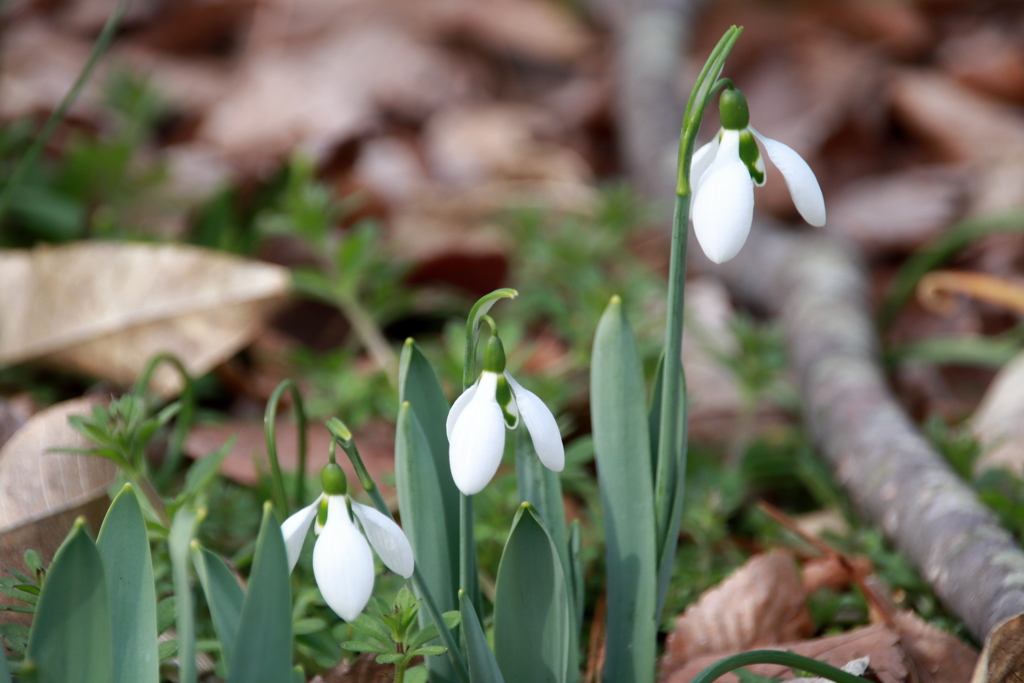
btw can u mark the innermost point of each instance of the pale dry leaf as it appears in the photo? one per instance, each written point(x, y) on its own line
point(1002, 659)
point(988, 58)
point(998, 423)
point(318, 95)
point(537, 30)
point(247, 458)
point(857, 667)
point(762, 603)
point(467, 145)
point(106, 308)
point(899, 211)
point(42, 492)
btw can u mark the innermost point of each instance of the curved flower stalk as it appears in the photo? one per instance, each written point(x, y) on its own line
point(342, 562)
point(724, 172)
point(477, 421)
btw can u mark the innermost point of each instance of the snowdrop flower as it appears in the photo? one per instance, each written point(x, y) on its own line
point(723, 174)
point(342, 563)
point(476, 424)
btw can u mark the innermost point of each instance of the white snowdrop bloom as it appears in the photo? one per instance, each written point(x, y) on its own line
point(342, 562)
point(478, 419)
point(723, 174)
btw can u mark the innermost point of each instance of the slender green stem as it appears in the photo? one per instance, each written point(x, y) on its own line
point(670, 471)
point(370, 335)
point(343, 437)
point(790, 659)
point(270, 432)
point(473, 322)
point(99, 47)
point(468, 580)
point(182, 423)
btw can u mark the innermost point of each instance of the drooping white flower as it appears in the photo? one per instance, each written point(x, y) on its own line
point(723, 174)
point(342, 562)
point(478, 419)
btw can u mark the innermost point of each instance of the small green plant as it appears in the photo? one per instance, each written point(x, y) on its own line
point(392, 633)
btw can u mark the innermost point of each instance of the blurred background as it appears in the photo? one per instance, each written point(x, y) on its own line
point(360, 171)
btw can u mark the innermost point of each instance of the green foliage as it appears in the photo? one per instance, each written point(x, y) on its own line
point(535, 630)
point(392, 633)
point(121, 430)
point(70, 640)
point(622, 447)
point(124, 548)
point(957, 445)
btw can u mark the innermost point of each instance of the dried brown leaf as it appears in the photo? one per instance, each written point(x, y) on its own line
point(761, 603)
point(361, 669)
point(899, 211)
point(320, 94)
point(41, 492)
point(910, 650)
point(106, 308)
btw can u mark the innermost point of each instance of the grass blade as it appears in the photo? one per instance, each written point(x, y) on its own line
point(183, 527)
point(98, 48)
point(263, 648)
point(224, 596)
point(124, 546)
point(622, 448)
point(534, 620)
point(70, 640)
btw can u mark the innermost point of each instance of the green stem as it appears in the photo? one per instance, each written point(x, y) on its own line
point(790, 659)
point(182, 423)
point(343, 436)
point(370, 335)
point(670, 472)
point(270, 433)
point(99, 47)
point(468, 581)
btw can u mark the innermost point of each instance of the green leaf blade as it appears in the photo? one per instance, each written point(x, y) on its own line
point(70, 640)
point(124, 546)
point(483, 668)
point(179, 541)
point(263, 649)
point(224, 596)
point(534, 620)
point(622, 450)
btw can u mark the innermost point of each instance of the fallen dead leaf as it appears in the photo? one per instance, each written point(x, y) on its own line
point(106, 308)
point(899, 211)
point(998, 423)
point(247, 459)
point(41, 492)
point(988, 58)
point(909, 650)
point(761, 603)
point(1002, 659)
point(319, 94)
point(468, 145)
point(361, 669)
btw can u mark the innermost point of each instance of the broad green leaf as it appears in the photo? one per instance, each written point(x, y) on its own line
point(224, 596)
point(203, 470)
point(534, 619)
point(541, 488)
point(263, 650)
point(183, 527)
point(482, 666)
point(427, 496)
point(5, 673)
point(70, 640)
point(622, 448)
point(128, 566)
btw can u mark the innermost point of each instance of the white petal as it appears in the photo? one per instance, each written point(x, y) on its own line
point(460, 404)
point(387, 539)
point(294, 531)
point(702, 159)
point(541, 424)
point(723, 205)
point(800, 180)
point(342, 563)
point(478, 439)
